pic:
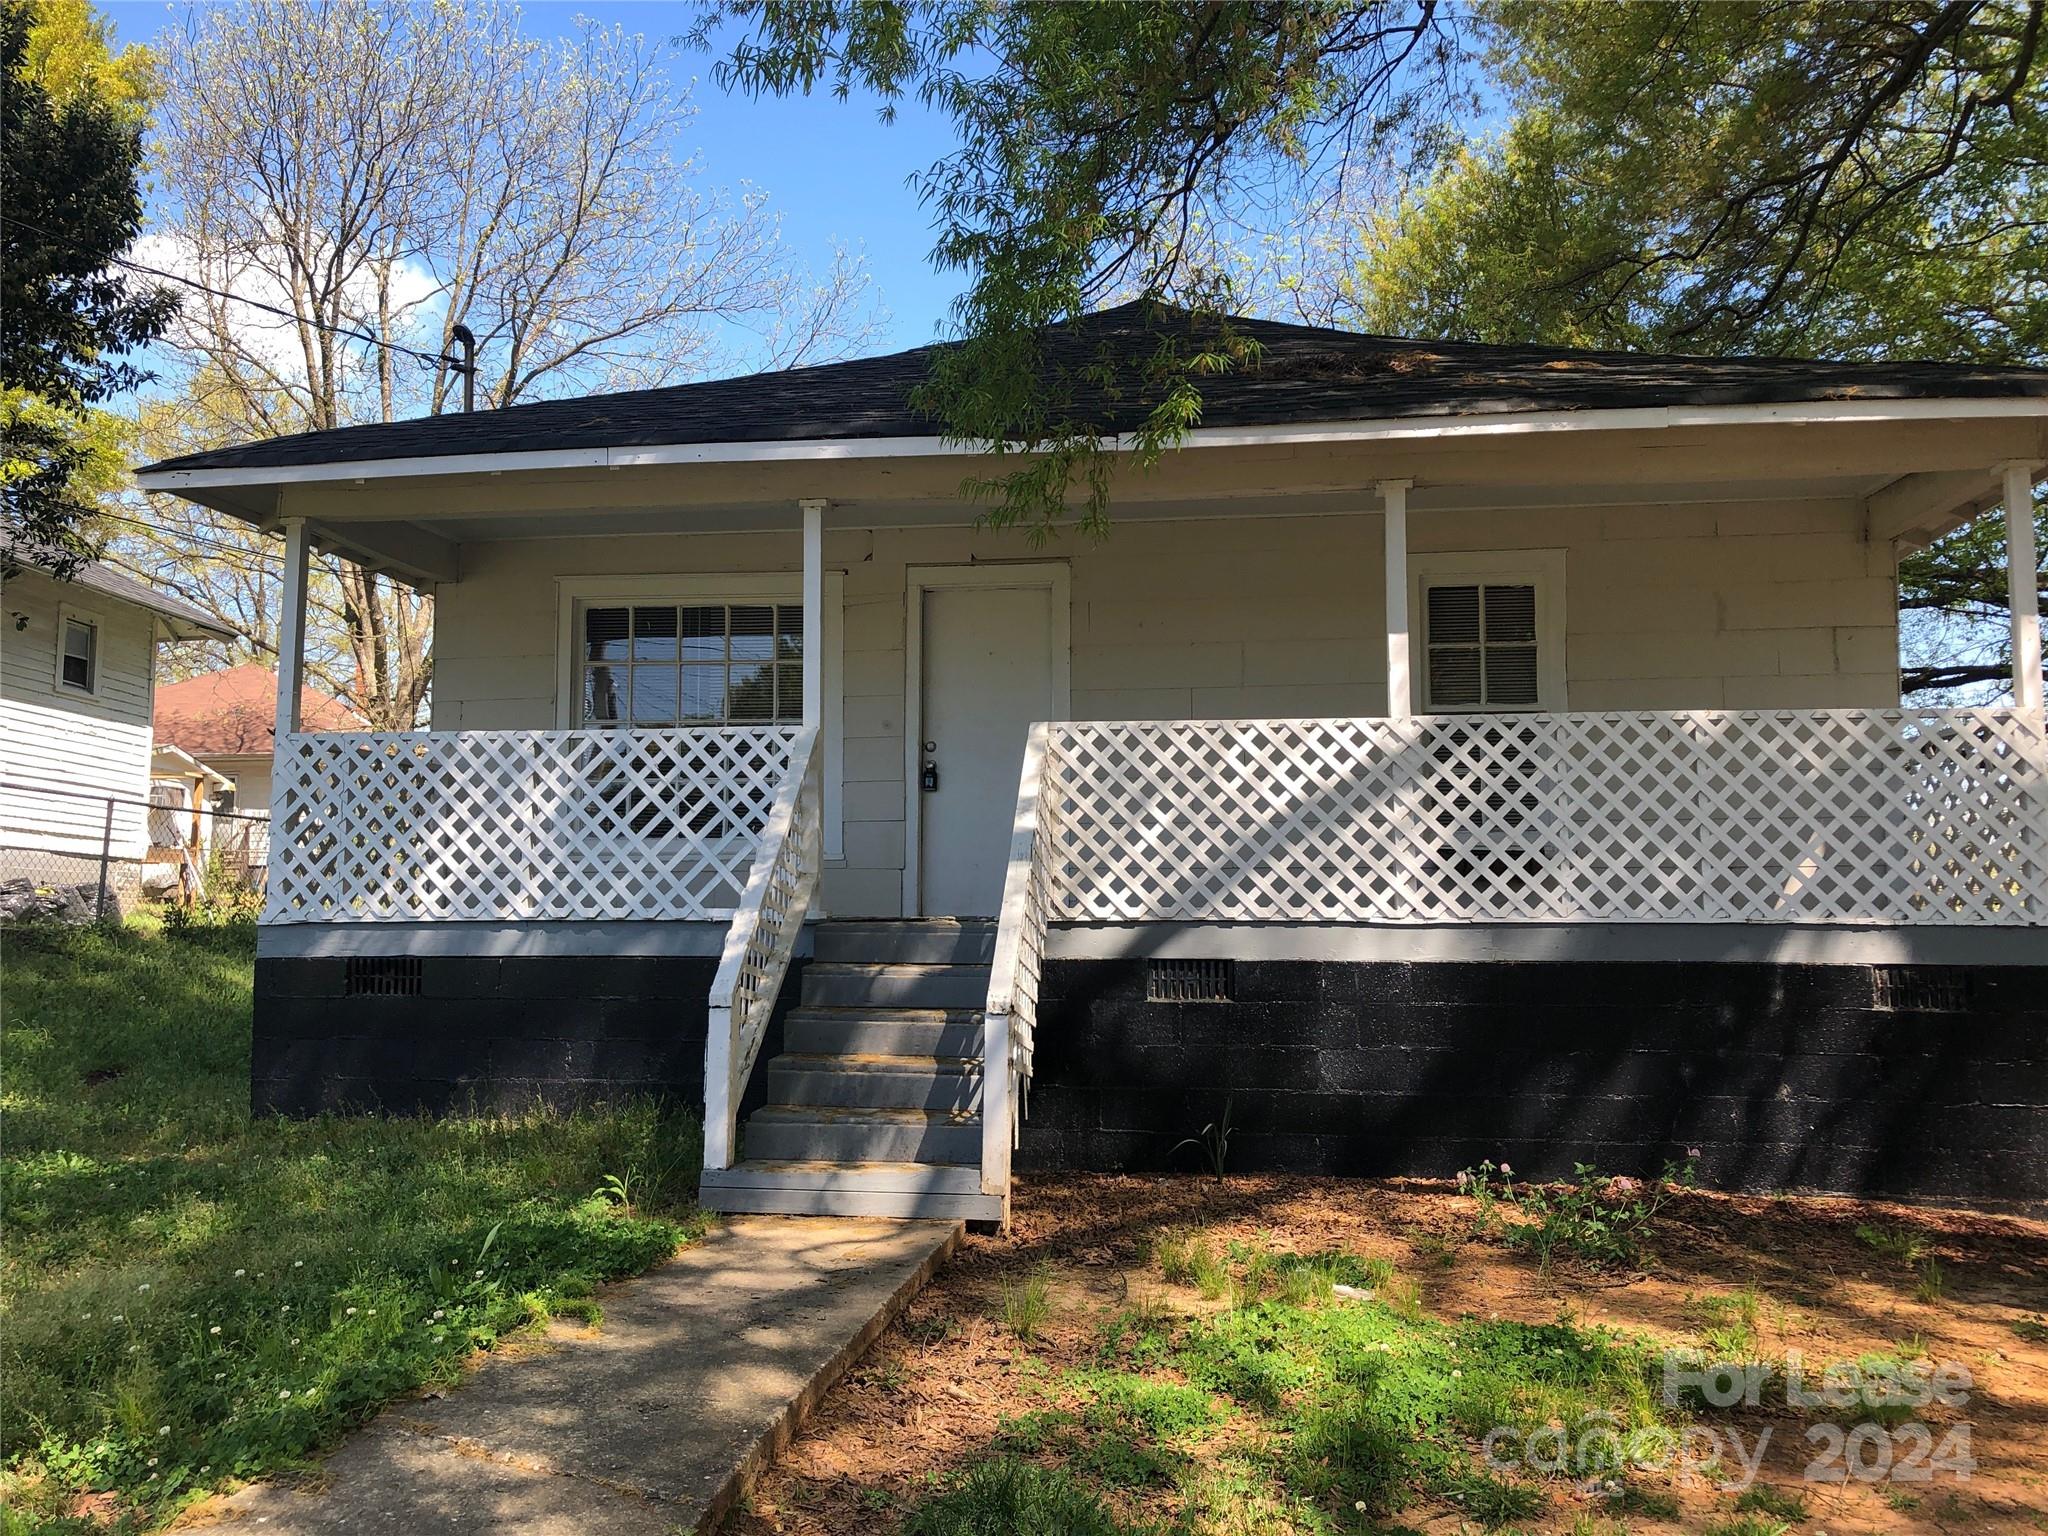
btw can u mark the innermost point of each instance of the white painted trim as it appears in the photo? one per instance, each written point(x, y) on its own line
point(814, 611)
point(1054, 575)
point(67, 615)
point(291, 633)
point(1396, 429)
point(723, 587)
point(1394, 572)
point(1545, 568)
point(2025, 595)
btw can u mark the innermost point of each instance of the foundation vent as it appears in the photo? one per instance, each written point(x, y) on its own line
point(1190, 981)
point(381, 976)
point(1919, 988)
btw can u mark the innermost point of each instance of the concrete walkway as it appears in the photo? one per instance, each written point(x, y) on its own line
point(651, 1425)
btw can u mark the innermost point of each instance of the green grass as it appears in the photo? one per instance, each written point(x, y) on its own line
point(191, 1296)
point(1341, 1412)
point(1907, 1245)
point(1026, 1303)
point(1008, 1497)
point(1728, 1323)
point(1763, 1499)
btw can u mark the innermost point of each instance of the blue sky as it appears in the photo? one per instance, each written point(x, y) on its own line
point(834, 172)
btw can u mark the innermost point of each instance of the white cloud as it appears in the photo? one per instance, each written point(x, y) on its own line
point(272, 341)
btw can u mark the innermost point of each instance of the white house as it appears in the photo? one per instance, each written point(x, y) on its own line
point(1452, 751)
point(77, 669)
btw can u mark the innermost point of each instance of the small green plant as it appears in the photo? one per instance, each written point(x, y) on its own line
point(1931, 1282)
point(1763, 1499)
point(1011, 1496)
point(1729, 1330)
point(615, 1190)
point(1432, 1249)
point(1026, 1304)
point(1904, 1244)
point(1494, 1501)
point(2033, 1329)
point(1604, 1219)
point(1210, 1272)
point(1901, 1500)
point(1174, 1253)
point(1748, 1525)
point(1212, 1141)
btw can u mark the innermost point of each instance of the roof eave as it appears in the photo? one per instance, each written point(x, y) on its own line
point(206, 484)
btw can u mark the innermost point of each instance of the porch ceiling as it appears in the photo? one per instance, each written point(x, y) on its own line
point(1918, 475)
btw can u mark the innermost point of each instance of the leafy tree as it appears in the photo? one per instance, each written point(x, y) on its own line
point(1856, 181)
point(385, 174)
point(71, 122)
point(1757, 148)
point(1098, 145)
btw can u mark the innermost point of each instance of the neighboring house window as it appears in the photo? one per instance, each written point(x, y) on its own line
point(692, 664)
point(78, 654)
point(1492, 631)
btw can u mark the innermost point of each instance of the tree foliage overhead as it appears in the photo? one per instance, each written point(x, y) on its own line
point(1789, 178)
point(1681, 173)
point(1096, 144)
point(71, 123)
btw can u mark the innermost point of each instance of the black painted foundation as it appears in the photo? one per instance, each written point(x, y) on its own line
point(1783, 1076)
point(485, 1034)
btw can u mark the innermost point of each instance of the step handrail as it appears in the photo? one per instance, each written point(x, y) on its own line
point(761, 941)
point(1010, 1019)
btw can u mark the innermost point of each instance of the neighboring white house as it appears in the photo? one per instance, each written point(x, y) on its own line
point(77, 670)
point(1453, 751)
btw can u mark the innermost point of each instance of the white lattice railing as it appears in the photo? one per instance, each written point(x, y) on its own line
point(762, 940)
point(1778, 816)
point(1010, 1020)
point(519, 825)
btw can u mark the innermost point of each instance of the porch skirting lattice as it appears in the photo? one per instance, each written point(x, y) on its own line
point(1781, 816)
point(520, 825)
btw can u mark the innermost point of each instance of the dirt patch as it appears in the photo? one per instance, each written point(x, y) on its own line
point(936, 1393)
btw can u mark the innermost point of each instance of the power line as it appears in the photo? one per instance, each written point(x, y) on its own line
point(455, 364)
point(180, 533)
point(466, 369)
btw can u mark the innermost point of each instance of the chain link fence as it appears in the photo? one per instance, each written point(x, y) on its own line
point(77, 857)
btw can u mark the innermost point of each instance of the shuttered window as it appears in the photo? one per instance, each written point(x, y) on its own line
point(656, 664)
point(1481, 645)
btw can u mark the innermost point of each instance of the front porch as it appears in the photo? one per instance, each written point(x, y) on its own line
point(1132, 839)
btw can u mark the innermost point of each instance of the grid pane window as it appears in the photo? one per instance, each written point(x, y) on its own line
point(81, 643)
point(1482, 650)
point(661, 664)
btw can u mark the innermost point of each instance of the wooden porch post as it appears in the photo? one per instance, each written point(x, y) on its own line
point(291, 632)
point(814, 611)
point(1394, 520)
point(2021, 561)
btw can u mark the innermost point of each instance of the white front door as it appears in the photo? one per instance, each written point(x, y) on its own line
point(992, 663)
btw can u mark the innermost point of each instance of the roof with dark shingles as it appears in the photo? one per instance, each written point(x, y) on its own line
point(1304, 375)
point(108, 582)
